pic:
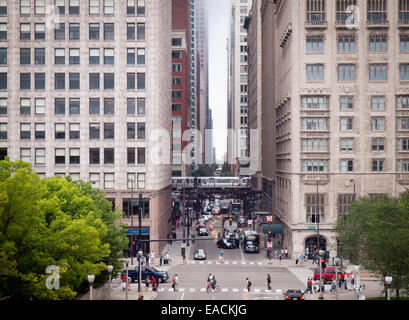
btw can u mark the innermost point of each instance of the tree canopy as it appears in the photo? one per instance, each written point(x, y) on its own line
point(53, 221)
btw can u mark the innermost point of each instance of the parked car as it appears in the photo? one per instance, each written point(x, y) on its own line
point(329, 274)
point(225, 244)
point(203, 232)
point(162, 276)
point(294, 295)
point(200, 254)
point(200, 225)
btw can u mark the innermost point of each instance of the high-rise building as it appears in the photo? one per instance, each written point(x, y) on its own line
point(335, 74)
point(85, 91)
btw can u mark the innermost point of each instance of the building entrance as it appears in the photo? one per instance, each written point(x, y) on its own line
point(311, 246)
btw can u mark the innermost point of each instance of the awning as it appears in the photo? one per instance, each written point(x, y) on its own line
point(274, 228)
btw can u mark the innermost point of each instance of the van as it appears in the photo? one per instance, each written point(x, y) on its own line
point(328, 274)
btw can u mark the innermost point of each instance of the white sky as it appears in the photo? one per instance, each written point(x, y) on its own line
point(219, 12)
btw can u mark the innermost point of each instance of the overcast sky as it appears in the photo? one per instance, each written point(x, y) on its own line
point(219, 21)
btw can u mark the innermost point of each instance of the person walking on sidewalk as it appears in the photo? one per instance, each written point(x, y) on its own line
point(174, 282)
point(147, 259)
point(286, 252)
point(152, 259)
point(160, 258)
point(309, 286)
point(268, 282)
point(280, 257)
point(248, 284)
point(147, 283)
point(302, 258)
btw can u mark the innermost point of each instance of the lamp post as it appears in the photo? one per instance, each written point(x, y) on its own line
point(139, 242)
point(110, 268)
point(91, 279)
point(321, 297)
point(140, 253)
point(388, 281)
point(132, 238)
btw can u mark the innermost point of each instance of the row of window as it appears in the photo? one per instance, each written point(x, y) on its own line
point(94, 6)
point(135, 131)
point(347, 145)
point(347, 124)
point(346, 165)
point(134, 81)
point(347, 72)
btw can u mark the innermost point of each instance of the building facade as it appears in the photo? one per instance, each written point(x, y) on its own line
point(340, 92)
point(85, 92)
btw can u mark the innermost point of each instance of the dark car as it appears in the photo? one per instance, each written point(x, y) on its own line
point(225, 244)
point(294, 295)
point(203, 232)
point(162, 276)
point(329, 274)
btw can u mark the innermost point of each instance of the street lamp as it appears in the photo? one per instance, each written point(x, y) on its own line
point(140, 253)
point(388, 281)
point(317, 216)
point(110, 268)
point(91, 279)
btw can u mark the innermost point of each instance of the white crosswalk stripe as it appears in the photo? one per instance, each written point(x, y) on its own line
point(192, 290)
point(209, 262)
point(225, 290)
point(235, 290)
point(256, 290)
point(201, 262)
point(202, 289)
point(253, 291)
point(234, 262)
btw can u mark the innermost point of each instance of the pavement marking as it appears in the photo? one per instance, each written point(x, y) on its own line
point(256, 290)
point(227, 262)
point(234, 262)
point(279, 291)
point(201, 262)
point(181, 289)
point(235, 290)
point(209, 262)
point(267, 291)
point(251, 262)
point(202, 289)
point(260, 264)
point(161, 289)
point(192, 290)
point(243, 262)
point(183, 294)
point(170, 290)
point(225, 290)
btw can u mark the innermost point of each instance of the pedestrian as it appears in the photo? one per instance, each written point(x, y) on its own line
point(268, 282)
point(167, 258)
point(296, 259)
point(286, 252)
point(314, 257)
point(275, 253)
point(333, 286)
point(307, 253)
point(147, 259)
point(154, 284)
point(221, 255)
point(142, 258)
point(248, 283)
point(169, 241)
point(152, 259)
point(302, 258)
point(123, 284)
point(309, 286)
point(280, 257)
point(160, 258)
point(147, 283)
point(175, 282)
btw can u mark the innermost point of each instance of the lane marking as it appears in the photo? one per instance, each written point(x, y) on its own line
point(183, 294)
point(235, 290)
point(225, 290)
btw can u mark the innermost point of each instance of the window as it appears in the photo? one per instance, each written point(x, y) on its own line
point(140, 31)
point(131, 131)
point(3, 153)
point(109, 106)
point(141, 185)
point(347, 145)
point(346, 43)
point(346, 72)
point(74, 7)
point(3, 106)
point(377, 43)
point(94, 81)
point(314, 103)
point(314, 145)
point(108, 31)
point(141, 106)
point(343, 204)
point(378, 144)
point(39, 156)
point(402, 123)
point(315, 44)
point(25, 81)
point(347, 165)
point(74, 176)
point(176, 42)
point(59, 56)
point(176, 67)
point(60, 106)
point(141, 81)
point(25, 131)
point(402, 102)
point(402, 165)
point(60, 131)
point(378, 72)
point(39, 31)
point(131, 155)
point(74, 131)
point(39, 81)
point(130, 80)
point(130, 31)
point(141, 131)
point(176, 107)
point(39, 56)
point(130, 56)
point(403, 10)
point(109, 156)
point(378, 124)
point(346, 102)
point(59, 31)
point(94, 56)
point(25, 31)
point(3, 7)
point(315, 10)
point(25, 6)
point(25, 106)
point(108, 6)
point(109, 131)
point(94, 31)
point(93, 6)
point(3, 81)
point(3, 131)
point(404, 42)
point(39, 131)
point(109, 181)
point(94, 106)
point(140, 7)
point(378, 103)
point(341, 12)
point(176, 94)
point(109, 81)
point(25, 56)
point(131, 179)
point(94, 156)
point(315, 72)
point(3, 31)
point(109, 56)
point(141, 155)
point(377, 10)
point(130, 7)
point(94, 131)
point(25, 155)
point(402, 144)
point(131, 106)
point(141, 56)
point(378, 165)
point(177, 54)
point(404, 71)
point(315, 208)
point(60, 7)
point(346, 124)
point(74, 106)
point(39, 106)
point(74, 56)
point(74, 156)
point(59, 81)
point(94, 179)
point(74, 81)
point(319, 124)
point(74, 31)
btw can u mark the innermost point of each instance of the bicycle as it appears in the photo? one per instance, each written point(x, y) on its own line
point(209, 288)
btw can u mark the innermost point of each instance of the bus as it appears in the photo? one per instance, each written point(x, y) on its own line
point(251, 241)
point(236, 208)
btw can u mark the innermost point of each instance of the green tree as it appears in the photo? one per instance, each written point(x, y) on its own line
point(203, 171)
point(375, 234)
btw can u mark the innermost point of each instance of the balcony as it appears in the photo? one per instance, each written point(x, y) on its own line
point(377, 24)
point(343, 24)
point(403, 24)
point(316, 24)
point(402, 178)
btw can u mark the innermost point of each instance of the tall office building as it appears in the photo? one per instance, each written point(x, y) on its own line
point(238, 113)
point(85, 87)
point(336, 74)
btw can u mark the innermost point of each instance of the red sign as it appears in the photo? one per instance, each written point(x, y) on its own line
point(269, 218)
point(269, 244)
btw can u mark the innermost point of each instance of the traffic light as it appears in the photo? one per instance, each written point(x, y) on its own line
point(323, 264)
point(269, 234)
point(231, 220)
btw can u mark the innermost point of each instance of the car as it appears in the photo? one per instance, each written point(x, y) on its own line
point(292, 294)
point(162, 276)
point(200, 254)
point(329, 274)
point(203, 232)
point(200, 226)
point(225, 244)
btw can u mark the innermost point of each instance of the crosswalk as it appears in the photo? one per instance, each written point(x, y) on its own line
point(254, 263)
point(223, 290)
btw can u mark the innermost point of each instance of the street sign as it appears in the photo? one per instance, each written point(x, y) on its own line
point(269, 218)
point(183, 245)
point(269, 244)
point(250, 221)
point(312, 228)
